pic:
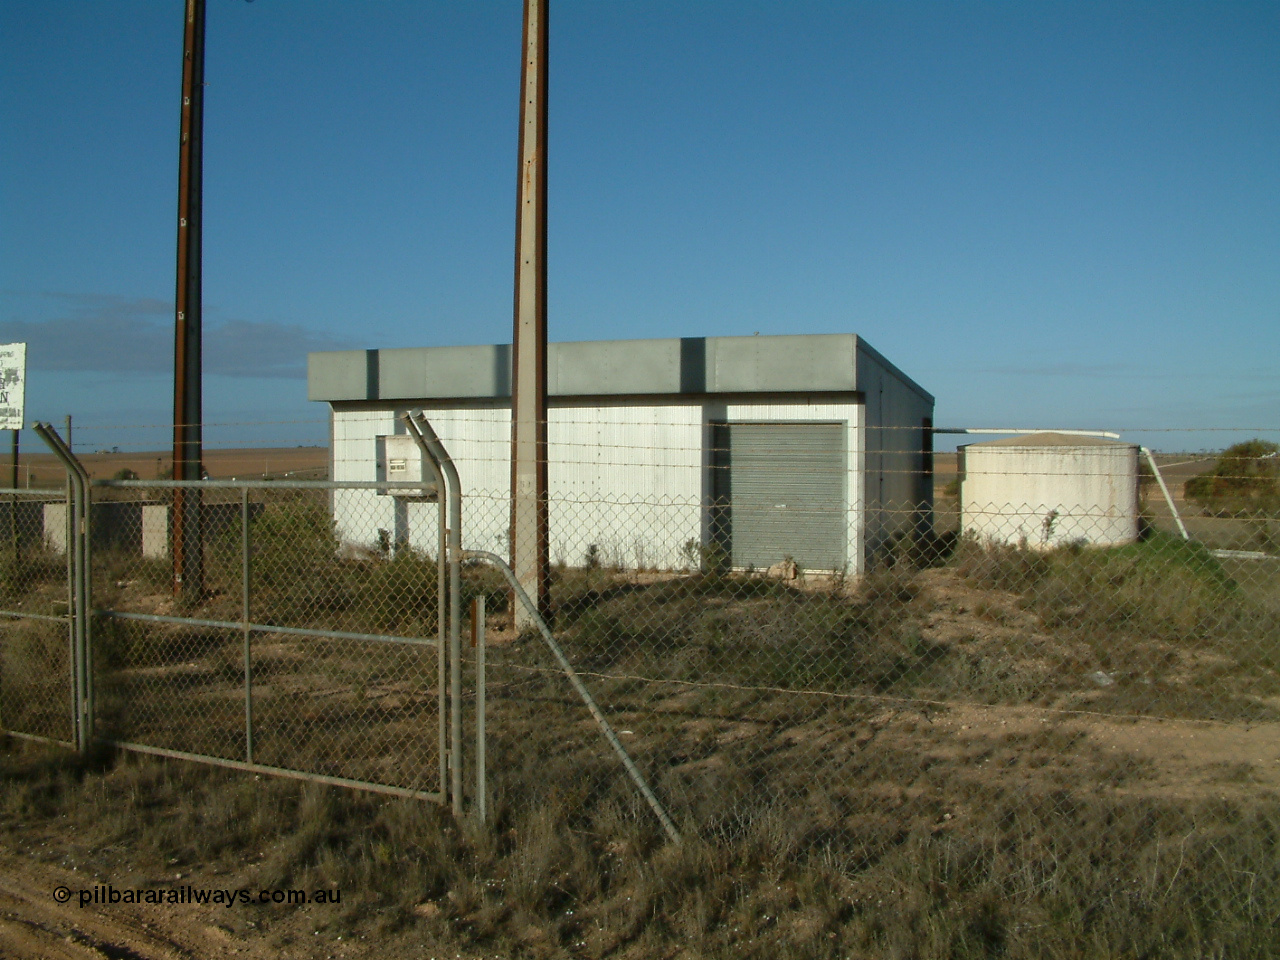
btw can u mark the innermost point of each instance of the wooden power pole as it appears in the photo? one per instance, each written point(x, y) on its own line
point(529, 547)
point(188, 416)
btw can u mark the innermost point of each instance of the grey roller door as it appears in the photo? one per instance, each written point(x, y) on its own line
point(784, 486)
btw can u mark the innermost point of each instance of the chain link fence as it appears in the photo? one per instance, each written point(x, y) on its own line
point(1061, 710)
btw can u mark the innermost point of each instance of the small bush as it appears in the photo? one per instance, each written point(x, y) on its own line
point(1244, 482)
point(397, 593)
point(297, 573)
point(1001, 566)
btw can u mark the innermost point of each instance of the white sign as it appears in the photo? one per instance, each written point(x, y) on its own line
point(13, 379)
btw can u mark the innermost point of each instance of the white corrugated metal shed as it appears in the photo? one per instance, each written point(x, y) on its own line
point(631, 433)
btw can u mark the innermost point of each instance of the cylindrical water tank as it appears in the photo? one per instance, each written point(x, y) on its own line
point(1045, 490)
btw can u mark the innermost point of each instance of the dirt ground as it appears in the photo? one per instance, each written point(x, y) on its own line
point(1192, 760)
point(34, 926)
point(1188, 758)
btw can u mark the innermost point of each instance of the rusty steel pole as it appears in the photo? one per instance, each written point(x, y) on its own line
point(529, 540)
point(186, 546)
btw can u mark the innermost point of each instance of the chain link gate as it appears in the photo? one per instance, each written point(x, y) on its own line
point(296, 652)
point(301, 655)
point(302, 648)
point(37, 693)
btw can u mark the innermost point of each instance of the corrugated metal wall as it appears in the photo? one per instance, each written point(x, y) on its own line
point(629, 483)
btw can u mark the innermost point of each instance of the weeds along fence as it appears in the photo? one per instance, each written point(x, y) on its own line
point(1007, 702)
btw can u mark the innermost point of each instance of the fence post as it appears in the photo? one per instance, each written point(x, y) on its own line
point(605, 727)
point(246, 620)
point(478, 641)
point(449, 487)
point(455, 606)
point(81, 593)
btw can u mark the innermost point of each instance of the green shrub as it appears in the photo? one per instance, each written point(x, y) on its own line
point(1162, 586)
point(1244, 482)
point(296, 570)
point(397, 593)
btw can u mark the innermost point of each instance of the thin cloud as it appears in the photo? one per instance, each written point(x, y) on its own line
point(255, 348)
point(1068, 369)
point(111, 334)
point(1130, 371)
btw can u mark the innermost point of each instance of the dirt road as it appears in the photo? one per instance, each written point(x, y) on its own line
point(34, 925)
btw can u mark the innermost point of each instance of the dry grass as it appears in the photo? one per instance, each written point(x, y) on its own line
point(572, 866)
point(899, 770)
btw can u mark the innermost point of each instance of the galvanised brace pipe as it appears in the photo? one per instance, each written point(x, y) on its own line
point(632, 770)
point(441, 594)
point(1165, 490)
point(440, 455)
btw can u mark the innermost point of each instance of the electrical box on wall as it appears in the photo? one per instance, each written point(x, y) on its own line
point(401, 459)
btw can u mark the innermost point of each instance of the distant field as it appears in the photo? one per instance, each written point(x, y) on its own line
point(303, 463)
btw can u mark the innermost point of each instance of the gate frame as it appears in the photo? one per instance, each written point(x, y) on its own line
point(247, 627)
point(73, 704)
point(81, 613)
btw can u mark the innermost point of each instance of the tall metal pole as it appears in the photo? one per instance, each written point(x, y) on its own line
point(529, 548)
point(188, 565)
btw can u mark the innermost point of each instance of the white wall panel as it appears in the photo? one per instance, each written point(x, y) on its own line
point(626, 479)
point(630, 479)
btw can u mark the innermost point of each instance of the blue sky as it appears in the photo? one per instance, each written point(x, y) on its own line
point(1049, 214)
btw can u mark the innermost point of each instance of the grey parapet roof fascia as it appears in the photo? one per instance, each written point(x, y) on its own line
point(808, 364)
